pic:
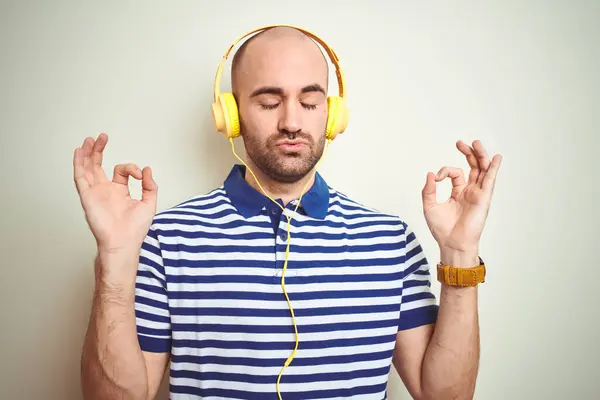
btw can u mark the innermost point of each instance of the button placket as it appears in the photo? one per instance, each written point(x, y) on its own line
point(281, 244)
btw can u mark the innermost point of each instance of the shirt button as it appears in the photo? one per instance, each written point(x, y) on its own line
point(283, 236)
point(274, 211)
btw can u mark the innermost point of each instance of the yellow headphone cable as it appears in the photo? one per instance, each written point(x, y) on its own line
point(287, 251)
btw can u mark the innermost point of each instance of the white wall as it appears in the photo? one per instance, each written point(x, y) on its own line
point(520, 76)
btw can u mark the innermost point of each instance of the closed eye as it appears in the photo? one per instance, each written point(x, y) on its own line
point(274, 106)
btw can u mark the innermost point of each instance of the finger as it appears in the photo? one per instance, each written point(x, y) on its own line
point(122, 172)
point(97, 156)
point(471, 159)
point(98, 149)
point(455, 174)
point(78, 172)
point(429, 192)
point(482, 159)
point(489, 180)
point(86, 154)
point(149, 187)
point(86, 147)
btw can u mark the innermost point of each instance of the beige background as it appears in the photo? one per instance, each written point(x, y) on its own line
point(521, 76)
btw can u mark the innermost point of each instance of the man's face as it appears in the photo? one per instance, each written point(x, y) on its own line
point(283, 107)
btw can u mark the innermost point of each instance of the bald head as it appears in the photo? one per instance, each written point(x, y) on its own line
point(267, 48)
point(279, 80)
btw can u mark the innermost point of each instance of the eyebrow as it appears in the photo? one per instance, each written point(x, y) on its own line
point(315, 87)
point(267, 90)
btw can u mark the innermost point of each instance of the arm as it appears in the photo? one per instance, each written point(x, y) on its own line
point(113, 366)
point(442, 361)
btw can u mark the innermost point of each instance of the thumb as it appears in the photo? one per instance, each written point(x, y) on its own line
point(428, 192)
point(149, 187)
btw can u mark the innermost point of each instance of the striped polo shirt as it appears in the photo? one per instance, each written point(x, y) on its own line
point(208, 291)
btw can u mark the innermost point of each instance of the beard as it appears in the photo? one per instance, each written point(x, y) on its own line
point(284, 166)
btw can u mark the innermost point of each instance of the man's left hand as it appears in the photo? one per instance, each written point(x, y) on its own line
point(457, 224)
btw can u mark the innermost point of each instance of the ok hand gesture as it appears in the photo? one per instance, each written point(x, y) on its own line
point(457, 224)
point(117, 221)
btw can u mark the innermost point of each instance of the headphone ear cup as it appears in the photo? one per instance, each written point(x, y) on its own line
point(337, 116)
point(225, 116)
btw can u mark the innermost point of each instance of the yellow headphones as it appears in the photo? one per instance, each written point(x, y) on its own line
point(225, 110)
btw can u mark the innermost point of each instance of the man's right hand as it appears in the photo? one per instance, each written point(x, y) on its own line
point(118, 222)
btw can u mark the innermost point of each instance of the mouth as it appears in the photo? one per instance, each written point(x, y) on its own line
point(291, 145)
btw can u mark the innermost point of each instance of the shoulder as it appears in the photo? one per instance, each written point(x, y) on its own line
point(342, 205)
point(208, 208)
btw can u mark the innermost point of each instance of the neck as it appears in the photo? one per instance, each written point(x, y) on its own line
point(278, 190)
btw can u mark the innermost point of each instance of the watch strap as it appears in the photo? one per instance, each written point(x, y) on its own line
point(463, 277)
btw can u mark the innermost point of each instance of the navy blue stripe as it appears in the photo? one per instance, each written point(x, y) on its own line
point(209, 248)
point(150, 302)
point(244, 395)
point(348, 205)
point(411, 253)
point(333, 294)
point(148, 262)
point(418, 317)
point(154, 345)
point(207, 206)
point(414, 283)
point(232, 211)
point(218, 192)
point(410, 237)
point(289, 279)
point(213, 215)
point(263, 379)
point(417, 296)
point(415, 266)
point(422, 273)
point(273, 345)
point(143, 330)
point(152, 317)
point(244, 263)
point(220, 225)
point(266, 224)
point(278, 362)
point(264, 312)
point(366, 214)
point(200, 234)
point(150, 288)
point(151, 249)
point(270, 329)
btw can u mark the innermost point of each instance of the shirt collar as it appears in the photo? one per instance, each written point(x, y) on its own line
point(249, 201)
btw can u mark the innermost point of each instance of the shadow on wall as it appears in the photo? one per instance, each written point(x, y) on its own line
point(212, 163)
point(217, 158)
point(210, 158)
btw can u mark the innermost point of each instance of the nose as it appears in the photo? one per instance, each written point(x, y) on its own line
point(289, 120)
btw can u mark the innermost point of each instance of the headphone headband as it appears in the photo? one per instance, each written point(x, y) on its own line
point(332, 56)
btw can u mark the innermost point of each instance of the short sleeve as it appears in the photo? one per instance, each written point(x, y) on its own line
point(418, 306)
point(151, 299)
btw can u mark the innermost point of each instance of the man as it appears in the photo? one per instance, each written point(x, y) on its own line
point(199, 285)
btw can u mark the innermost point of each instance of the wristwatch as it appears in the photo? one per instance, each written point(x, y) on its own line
point(462, 277)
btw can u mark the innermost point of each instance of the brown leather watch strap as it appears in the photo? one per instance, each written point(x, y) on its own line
point(463, 277)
